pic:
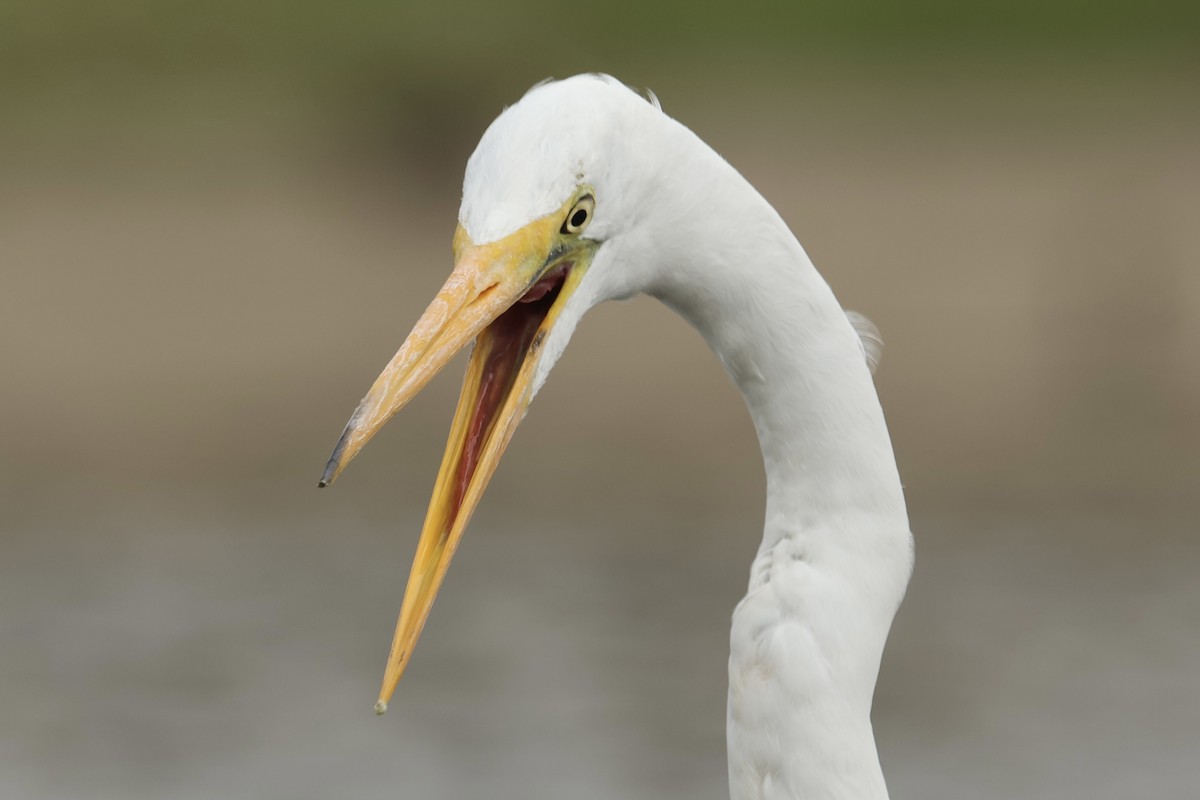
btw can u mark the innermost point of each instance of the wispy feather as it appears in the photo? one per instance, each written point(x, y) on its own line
point(869, 339)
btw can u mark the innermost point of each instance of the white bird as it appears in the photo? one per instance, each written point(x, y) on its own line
point(583, 192)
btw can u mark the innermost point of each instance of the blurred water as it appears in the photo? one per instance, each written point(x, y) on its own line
point(185, 650)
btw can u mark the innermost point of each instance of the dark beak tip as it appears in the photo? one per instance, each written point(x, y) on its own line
point(335, 460)
point(330, 471)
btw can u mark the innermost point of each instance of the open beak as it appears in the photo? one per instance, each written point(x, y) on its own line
point(506, 295)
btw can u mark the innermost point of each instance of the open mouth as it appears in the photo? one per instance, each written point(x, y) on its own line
point(509, 340)
point(493, 299)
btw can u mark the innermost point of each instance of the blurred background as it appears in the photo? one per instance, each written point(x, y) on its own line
point(219, 219)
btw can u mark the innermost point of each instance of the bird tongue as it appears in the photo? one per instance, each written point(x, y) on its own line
point(548, 282)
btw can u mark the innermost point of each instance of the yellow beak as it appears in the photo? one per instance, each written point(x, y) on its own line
point(505, 295)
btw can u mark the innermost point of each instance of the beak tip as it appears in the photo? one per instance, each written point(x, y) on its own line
point(380, 708)
point(331, 471)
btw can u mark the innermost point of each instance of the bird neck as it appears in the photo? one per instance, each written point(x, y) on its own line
point(836, 551)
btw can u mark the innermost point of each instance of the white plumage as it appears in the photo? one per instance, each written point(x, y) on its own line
point(673, 220)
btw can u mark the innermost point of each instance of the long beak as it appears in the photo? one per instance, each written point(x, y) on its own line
point(505, 295)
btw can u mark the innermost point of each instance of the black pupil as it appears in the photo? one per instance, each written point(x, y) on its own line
point(578, 218)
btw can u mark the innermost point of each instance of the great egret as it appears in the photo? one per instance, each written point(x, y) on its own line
point(582, 192)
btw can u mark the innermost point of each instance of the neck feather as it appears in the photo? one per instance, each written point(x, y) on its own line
point(836, 551)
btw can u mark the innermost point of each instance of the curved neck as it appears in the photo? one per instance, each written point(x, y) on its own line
point(836, 551)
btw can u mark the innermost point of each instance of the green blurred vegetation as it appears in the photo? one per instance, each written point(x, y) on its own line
point(424, 78)
point(335, 45)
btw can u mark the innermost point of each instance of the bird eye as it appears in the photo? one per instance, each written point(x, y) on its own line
point(580, 215)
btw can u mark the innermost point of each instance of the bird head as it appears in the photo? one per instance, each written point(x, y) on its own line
point(556, 182)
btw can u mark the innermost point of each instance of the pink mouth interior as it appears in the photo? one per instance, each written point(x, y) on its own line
point(510, 338)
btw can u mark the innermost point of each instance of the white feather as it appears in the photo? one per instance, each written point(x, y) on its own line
point(869, 338)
